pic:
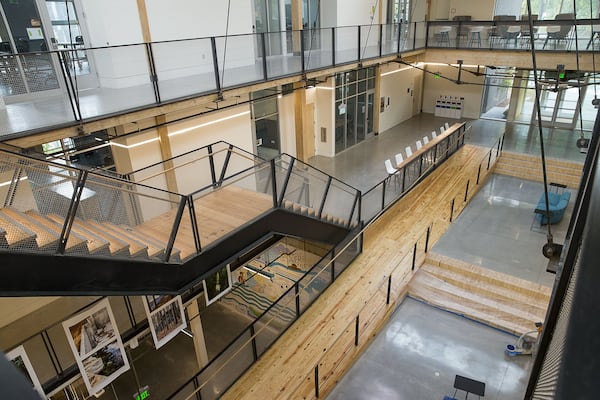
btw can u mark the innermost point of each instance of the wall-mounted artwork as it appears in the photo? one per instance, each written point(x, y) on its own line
point(19, 358)
point(167, 320)
point(217, 285)
point(97, 346)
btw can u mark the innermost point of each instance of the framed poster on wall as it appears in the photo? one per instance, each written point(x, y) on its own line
point(97, 346)
point(166, 320)
point(19, 358)
point(217, 285)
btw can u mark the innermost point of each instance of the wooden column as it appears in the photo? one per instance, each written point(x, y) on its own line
point(166, 153)
point(193, 313)
point(296, 24)
point(144, 23)
point(299, 109)
point(376, 100)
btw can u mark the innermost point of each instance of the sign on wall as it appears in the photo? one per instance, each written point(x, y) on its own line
point(217, 285)
point(96, 344)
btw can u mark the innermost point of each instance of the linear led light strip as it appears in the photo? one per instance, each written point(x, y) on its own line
point(8, 182)
point(179, 132)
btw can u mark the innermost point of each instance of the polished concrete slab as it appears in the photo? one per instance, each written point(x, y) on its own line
point(421, 349)
point(497, 230)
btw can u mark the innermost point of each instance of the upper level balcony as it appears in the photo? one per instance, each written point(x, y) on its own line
point(75, 86)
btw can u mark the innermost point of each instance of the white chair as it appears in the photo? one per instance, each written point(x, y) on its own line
point(433, 134)
point(425, 140)
point(419, 144)
point(399, 159)
point(408, 151)
point(391, 170)
point(446, 125)
point(442, 129)
point(389, 167)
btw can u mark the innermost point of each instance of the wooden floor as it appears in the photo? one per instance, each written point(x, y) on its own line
point(324, 335)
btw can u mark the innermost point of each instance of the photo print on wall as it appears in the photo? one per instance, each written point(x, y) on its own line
point(217, 285)
point(97, 346)
point(165, 321)
point(20, 360)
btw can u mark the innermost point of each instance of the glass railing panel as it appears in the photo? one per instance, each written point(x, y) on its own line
point(371, 202)
point(314, 282)
point(346, 252)
point(305, 188)
point(33, 74)
point(346, 44)
point(339, 203)
point(318, 51)
point(393, 188)
point(369, 41)
point(135, 220)
point(407, 33)
point(186, 392)
point(184, 68)
point(390, 36)
point(190, 172)
point(240, 59)
point(235, 360)
point(283, 53)
point(420, 34)
point(123, 81)
point(239, 200)
point(273, 322)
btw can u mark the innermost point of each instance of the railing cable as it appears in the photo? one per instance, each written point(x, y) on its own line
point(225, 45)
point(374, 8)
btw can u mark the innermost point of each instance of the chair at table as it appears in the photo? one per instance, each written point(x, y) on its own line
point(433, 134)
point(500, 27)
point(399, 159)
point(442, 129)
point(594, 36)
point(391, 170)
point(408, 151)
point(558, 33)
point(462, 31)
point(425, 140)
point(419, 144)
point(446, 125)
point(526, 34)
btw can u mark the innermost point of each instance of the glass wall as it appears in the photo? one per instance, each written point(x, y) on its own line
point(354, 97)
point(265, 117)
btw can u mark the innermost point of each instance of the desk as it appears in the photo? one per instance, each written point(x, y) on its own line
point(468, 385)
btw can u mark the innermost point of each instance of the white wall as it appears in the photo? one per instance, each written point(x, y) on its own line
point(433, 88)
point(325, 118)
point(287, 124)
point(399, 88)
point(328, 13)
point(183, 19)
point(448, 9)
point(357, 12)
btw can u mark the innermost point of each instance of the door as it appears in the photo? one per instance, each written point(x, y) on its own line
point(267, 21)
point(25, 68)
point(67, 32)
point(559, 107)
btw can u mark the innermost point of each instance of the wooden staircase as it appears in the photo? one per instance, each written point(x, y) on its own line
point(529, 167)
point(493, 298)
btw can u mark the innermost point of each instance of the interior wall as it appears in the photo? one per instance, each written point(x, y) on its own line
point(328, 14)
point(184, 19)
point(482, 10)
point(287, 126)
point(399, 93)
point(357, 12)
point(435, 87)
point(324, 118)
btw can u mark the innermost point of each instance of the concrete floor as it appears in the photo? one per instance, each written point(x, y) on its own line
point(419, 352)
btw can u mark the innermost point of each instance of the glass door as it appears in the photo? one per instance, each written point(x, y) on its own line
point(68, 33)
point(267, 21)
point(25, 68)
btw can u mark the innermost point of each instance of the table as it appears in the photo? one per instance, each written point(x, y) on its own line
point(468, 385)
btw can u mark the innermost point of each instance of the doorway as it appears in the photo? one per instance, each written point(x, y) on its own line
point(355, 107)
point(265, 117)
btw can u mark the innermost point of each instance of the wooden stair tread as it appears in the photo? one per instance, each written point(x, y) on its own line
point(467, 310)
point(184, 250)
point(75, 243)
point(136, 248)
point(116, 246)
point(483, 287)
point(17, 235)
point(489, 304)
point(96, 245)
point(534, 290)
point(154, 250)
point(46, 239)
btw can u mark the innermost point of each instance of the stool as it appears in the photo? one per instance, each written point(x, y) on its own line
point(475, 35)
point(444, 35)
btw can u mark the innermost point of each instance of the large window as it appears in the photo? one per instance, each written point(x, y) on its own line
point(354, 98)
